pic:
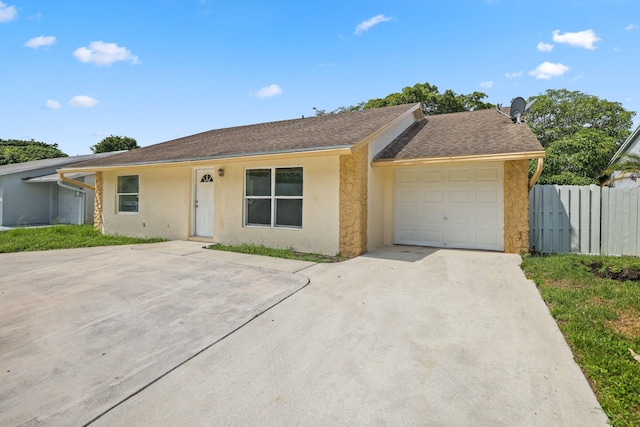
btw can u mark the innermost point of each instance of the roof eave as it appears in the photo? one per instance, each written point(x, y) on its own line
point(325, 151)
point(459, 159)
point(394, 122)
point(628, 142)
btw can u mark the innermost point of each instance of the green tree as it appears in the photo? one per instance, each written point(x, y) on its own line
point(115, 143)
point(578, 159)
point(432, 101)
point(580, 134)
point(559, 113)
point(18, 151)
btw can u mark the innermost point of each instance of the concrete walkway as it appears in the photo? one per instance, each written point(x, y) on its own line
point(401, 336)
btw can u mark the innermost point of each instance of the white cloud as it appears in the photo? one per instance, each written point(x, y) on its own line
point(7, 13)
point(52, 105)
point(371, 22)
point(630, 27)
point(514, 75)
point(101, 53)
point(487, 84)
point(83, 101)
point(37, 42)
point(584, 39)
point(547, 70)
point(269, 91)
point(545, 47)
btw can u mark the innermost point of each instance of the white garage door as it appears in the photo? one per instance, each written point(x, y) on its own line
point(450, 206)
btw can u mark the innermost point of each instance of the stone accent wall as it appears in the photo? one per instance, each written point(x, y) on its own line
point(97, 206)
point(516, 206)
point(353, 202)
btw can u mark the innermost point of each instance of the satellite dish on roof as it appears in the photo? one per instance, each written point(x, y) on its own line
point(518, 107)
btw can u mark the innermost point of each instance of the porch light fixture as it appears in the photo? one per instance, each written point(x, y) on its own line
point(220, 172)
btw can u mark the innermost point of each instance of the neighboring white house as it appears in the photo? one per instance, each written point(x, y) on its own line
point(30, 193)
point(630, 146)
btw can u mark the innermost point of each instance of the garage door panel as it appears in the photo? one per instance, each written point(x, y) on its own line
point(433, 176)
point(487, 196)
point(407, 176)
point(492, 174)
point(407, 216)
point(460, 196)
point(431, 236)
point(407, 196)
point(461, 175)
point(458, 208)
point(433, 196)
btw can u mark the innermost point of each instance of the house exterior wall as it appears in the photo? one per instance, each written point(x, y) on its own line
point(633, 148)
point(97, 202)
point(24, 204)
point(516, 206)
point(166, 201)
point(378, 200)
point(320, 206)
point(354, 202)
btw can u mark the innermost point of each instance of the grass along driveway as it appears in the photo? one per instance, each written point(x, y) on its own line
point(61, 237)
point(596, 302)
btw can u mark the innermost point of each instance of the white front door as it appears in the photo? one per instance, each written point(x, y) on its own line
point(450, 206)
point(204, 203)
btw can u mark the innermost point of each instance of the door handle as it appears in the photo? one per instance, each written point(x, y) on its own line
point(196, 203)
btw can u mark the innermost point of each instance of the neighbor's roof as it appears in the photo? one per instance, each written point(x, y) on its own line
point(468, 134)
point(49, 163)
point(627, 145)
point(327, 132)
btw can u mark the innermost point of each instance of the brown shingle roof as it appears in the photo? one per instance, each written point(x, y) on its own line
point(313, 133)
point(471, 133)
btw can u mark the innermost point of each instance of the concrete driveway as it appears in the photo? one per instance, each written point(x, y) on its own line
point(81, 330)
point(401, 336)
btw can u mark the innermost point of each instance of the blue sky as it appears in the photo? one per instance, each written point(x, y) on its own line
point(75, 71)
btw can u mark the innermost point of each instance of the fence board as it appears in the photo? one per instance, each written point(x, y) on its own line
point(581, 219)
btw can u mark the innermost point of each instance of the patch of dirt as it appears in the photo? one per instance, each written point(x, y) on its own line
point(625, 274)
point(627, 324)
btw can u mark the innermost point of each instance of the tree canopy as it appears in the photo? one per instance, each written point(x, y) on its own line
point(19, 151)
point(428, 95)
point(115, 143)
point(580, 134)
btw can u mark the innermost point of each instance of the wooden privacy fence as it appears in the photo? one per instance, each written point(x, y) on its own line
point(584, 219)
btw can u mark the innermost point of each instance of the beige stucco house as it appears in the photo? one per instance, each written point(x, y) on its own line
point(345, 183)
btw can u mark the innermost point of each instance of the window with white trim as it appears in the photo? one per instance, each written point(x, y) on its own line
point(273, 197)
point(128, 194)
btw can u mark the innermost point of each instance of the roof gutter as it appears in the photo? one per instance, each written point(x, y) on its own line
point(62, 178)
point(481, 158)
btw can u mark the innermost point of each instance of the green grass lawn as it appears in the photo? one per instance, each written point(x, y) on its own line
point(600, 319)
point(277, 253)
point(61, 237)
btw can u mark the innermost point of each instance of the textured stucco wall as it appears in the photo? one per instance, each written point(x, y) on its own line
point(516, 206)
point(97, 202)
point(353, 202)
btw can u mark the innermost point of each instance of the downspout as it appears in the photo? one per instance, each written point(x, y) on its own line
point(536, 174)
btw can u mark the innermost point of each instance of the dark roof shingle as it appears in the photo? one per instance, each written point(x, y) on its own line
point(307, 134)
point(470, 133)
